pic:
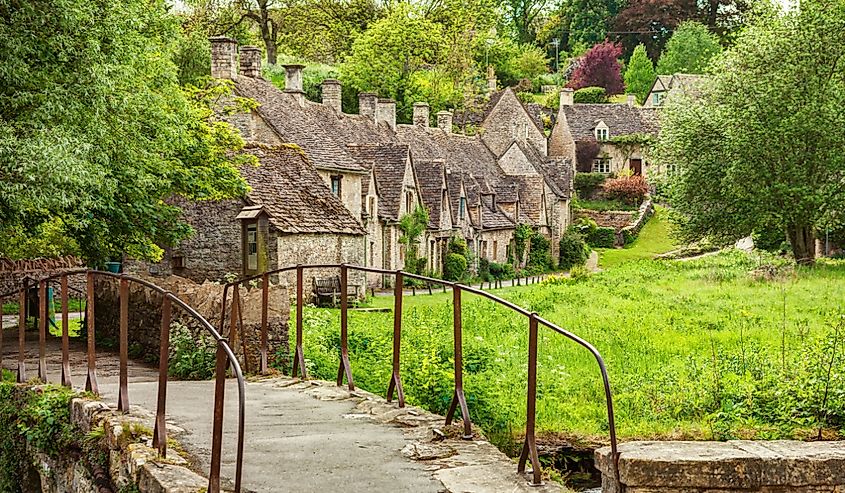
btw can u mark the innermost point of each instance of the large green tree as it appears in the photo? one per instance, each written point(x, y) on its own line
point(639, 75)
point(385, 57)
point(689, 50)
point(95, 130)
point(762, 146)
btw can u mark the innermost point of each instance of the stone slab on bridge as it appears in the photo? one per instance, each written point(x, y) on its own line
point(724, 467)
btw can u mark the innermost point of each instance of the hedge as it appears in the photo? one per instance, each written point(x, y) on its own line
point(601, 237)
point(573, 250)
point(587, 183)
point(455, 267)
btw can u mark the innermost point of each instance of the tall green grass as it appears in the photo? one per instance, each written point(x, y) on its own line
point(695, 349)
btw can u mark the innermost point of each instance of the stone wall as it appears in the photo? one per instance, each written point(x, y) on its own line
point(508, 119)
point(632, 230)
point(206, 298)
point(13, 272)
point(608, 219)
point(321, 249)
point(722, 467)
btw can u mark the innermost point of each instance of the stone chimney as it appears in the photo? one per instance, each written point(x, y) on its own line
point(250, 61)
point(293, 82)
point(386, 112)
point(332, 94)
point(224, 53)
point(444, 121)
point(632, 99)
point(421, 114)
point(367, 104)
point(567, 97)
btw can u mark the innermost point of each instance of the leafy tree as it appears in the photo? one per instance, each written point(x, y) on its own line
point(95, 132)
point(639, 76)
point(262, 15)
point(600, 67)
point(412, 226)
point(514, 62)
point(689, 50)
point(594, 95)
point(589, 20)
point(522, 15)
point(651, 23)
point(385, 57)
point(762, 146)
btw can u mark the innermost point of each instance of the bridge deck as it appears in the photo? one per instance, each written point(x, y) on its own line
point(294, 441)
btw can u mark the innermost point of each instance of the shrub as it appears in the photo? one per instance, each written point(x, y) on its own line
point(539, 256)
point(458, 245)
point(455, 267)
point(190, 358)
point(573, 250)
point(590, 95)
point(501, 271)
point(484, 269)
point(629, 189)
point(587, 183)
point(601, 237)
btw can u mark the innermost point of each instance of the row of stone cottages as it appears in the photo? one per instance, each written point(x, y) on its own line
point(331, 187)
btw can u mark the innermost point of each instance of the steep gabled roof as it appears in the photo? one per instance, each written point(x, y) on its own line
point(287, 187)
point(389, 161)
point(430, 176)
point(621, 119)
point(304, 125)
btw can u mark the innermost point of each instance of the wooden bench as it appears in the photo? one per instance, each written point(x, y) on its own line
point(326, 291)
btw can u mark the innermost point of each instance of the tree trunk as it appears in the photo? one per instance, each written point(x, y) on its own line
point(802, 238)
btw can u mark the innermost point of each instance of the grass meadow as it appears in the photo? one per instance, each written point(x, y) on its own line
point(726, 346)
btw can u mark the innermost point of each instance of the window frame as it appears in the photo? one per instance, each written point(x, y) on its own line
point(336, 179)
point(600, 163)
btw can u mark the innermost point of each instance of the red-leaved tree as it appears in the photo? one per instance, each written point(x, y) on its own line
point(600, 67)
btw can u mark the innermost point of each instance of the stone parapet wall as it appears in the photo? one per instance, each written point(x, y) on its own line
point(206, 299)
point(712, 467)
point(13, 272)
point(645, 212)
point(608, 219)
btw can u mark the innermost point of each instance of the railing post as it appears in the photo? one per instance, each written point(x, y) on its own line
point(43, 313)
point(22, 333)
point(123, 393)
point(65, 333)
point(91, 379)
point(298, 357)
point(217, 424)
point(234, 317)
point(160, 432)
point(344, 367)
point(395, 379)
point(529, 449)
point(458, 397)
point(265, 301)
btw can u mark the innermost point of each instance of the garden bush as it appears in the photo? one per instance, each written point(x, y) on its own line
point(540, 255)
point(602, 237)
point(501, 271)
point(590, 95)
point(455, 267)
point(573, 250)
point(629, 189)
point(190, 358)
point(587, 183)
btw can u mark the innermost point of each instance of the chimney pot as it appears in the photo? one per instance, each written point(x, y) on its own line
point(444, 121)
point(332, 94)
point(386, 112)
point(421, 114)
point(224, 53)
point(367, 104)
point(250, 61)
point(567, 96)
point(293, 82)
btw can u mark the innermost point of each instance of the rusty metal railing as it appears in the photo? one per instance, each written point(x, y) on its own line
point(529, 450)
point(225, 357)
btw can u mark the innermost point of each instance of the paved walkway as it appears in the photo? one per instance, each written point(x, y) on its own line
point(304, 436)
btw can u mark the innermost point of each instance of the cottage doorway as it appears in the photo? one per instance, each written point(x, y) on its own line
point(636, 166)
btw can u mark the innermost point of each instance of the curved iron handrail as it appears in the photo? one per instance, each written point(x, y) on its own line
point(225, 358)
point(529, 450)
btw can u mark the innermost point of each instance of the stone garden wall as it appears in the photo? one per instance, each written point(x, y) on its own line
point(206, 298)
point(608, 219)
point(714, 467)
point(13, 272)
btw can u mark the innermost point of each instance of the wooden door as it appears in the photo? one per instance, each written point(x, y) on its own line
point(636, 166)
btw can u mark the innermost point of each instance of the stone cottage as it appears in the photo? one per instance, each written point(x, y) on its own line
point(603, 138)
point(288, 217)
point(666, 85)
point(478, 187)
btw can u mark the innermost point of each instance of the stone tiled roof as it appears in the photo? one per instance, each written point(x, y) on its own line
point(621, 119)
point(389, 161)
point(530, 197)
point(430, 180)
point(493, 218)
point(559, 173)
point(305, 125)
point(286, 185)
point(477, 115)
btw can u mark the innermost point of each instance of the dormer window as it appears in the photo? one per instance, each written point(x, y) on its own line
point(336, 185)
point(602, 133)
